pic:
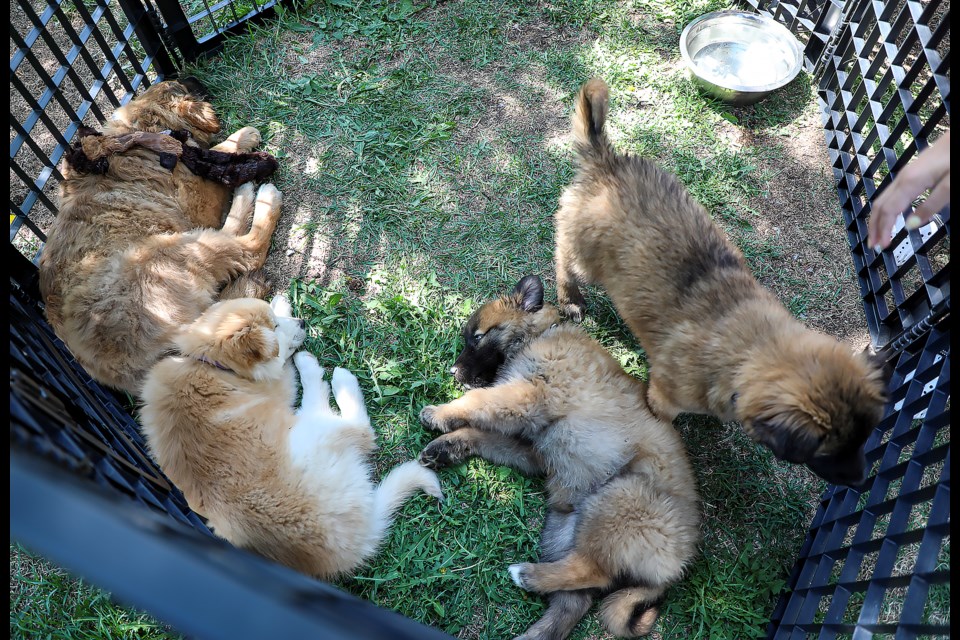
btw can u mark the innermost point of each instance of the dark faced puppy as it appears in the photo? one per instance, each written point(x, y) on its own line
point(495, 332)
point(717, 342)
point(546, 399)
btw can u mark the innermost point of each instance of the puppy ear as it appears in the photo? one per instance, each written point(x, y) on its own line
point(786, 443)
point(528, 294)
point(253, 345)
point(198, 114)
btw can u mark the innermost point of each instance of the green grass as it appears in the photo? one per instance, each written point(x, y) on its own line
point(406, 141)
point(445, 564)
point(46, 602)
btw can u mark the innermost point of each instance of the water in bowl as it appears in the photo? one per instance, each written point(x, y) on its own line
point(739, 64)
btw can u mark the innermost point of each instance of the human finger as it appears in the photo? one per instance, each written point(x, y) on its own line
point(937, 200)
point(927, 170)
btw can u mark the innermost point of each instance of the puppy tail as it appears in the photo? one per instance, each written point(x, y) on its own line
point(590, 140)
point(398, 485)
point(631, 612)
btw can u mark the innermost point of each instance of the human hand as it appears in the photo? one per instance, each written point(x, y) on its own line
point(929, 170)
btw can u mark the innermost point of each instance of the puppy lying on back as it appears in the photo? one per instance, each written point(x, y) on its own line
point(293, 486)
point(717, 342)
point(140, 250)
point(548, 400)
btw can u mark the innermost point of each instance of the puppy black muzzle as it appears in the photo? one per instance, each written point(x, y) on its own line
point(844, 469)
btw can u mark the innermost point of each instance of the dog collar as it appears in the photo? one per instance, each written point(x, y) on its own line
point(206, 360)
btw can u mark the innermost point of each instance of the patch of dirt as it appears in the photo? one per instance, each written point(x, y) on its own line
point(800, 209)
point(304, 56)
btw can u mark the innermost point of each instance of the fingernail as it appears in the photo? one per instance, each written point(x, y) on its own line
point(913, 222)
point(877, 248)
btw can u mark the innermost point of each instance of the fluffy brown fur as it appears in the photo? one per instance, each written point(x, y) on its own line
point(137, 252)
point(717, 342)
point(623, 507)
point(290, 484)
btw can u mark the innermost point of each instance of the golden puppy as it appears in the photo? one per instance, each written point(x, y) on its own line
point(546, 399)
point(717, 342)
point(134, 254)
point(291, 485)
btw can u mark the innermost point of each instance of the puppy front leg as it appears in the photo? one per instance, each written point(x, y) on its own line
point(572, 303)
point(506, 408)
point(353, 429)
point(316, 392)
point(240, 141)
point(266, 214)
point(240, 210)
point(660, 402)
point(455, 447)
point(318, 425)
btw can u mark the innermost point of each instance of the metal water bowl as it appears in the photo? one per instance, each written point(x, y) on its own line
point(740, 57)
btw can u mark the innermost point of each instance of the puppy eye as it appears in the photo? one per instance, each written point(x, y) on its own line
point(478, 336)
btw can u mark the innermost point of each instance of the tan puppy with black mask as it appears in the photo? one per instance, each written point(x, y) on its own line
point(548, 400)
point(717, 342)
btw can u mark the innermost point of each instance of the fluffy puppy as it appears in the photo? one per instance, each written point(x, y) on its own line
point(717, 342)
point(291, 485)
point(546, 399)
point(137, 252)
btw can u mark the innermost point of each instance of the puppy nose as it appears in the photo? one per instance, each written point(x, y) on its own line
point(454, 370)
point(302, 323)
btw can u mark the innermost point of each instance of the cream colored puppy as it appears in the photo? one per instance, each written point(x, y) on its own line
point(293, 486)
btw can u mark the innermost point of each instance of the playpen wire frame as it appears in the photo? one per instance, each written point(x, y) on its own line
point(873, 560)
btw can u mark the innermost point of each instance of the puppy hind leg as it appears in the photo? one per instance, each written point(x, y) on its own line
point(558, 535)
point(266, 214)
point(240, 210)
point(571, 573)
point(564, 611)
point(240, 141)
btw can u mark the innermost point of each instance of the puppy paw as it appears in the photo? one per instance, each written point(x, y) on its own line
point(349, 397)
point(517, 574)
point(574, 312)
point(344, 383)
point(431, 418)
point(246, 193)
point(442, 453)
point(307, 364)
point(269, 195)
point(247, 139)
point(281, 306)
